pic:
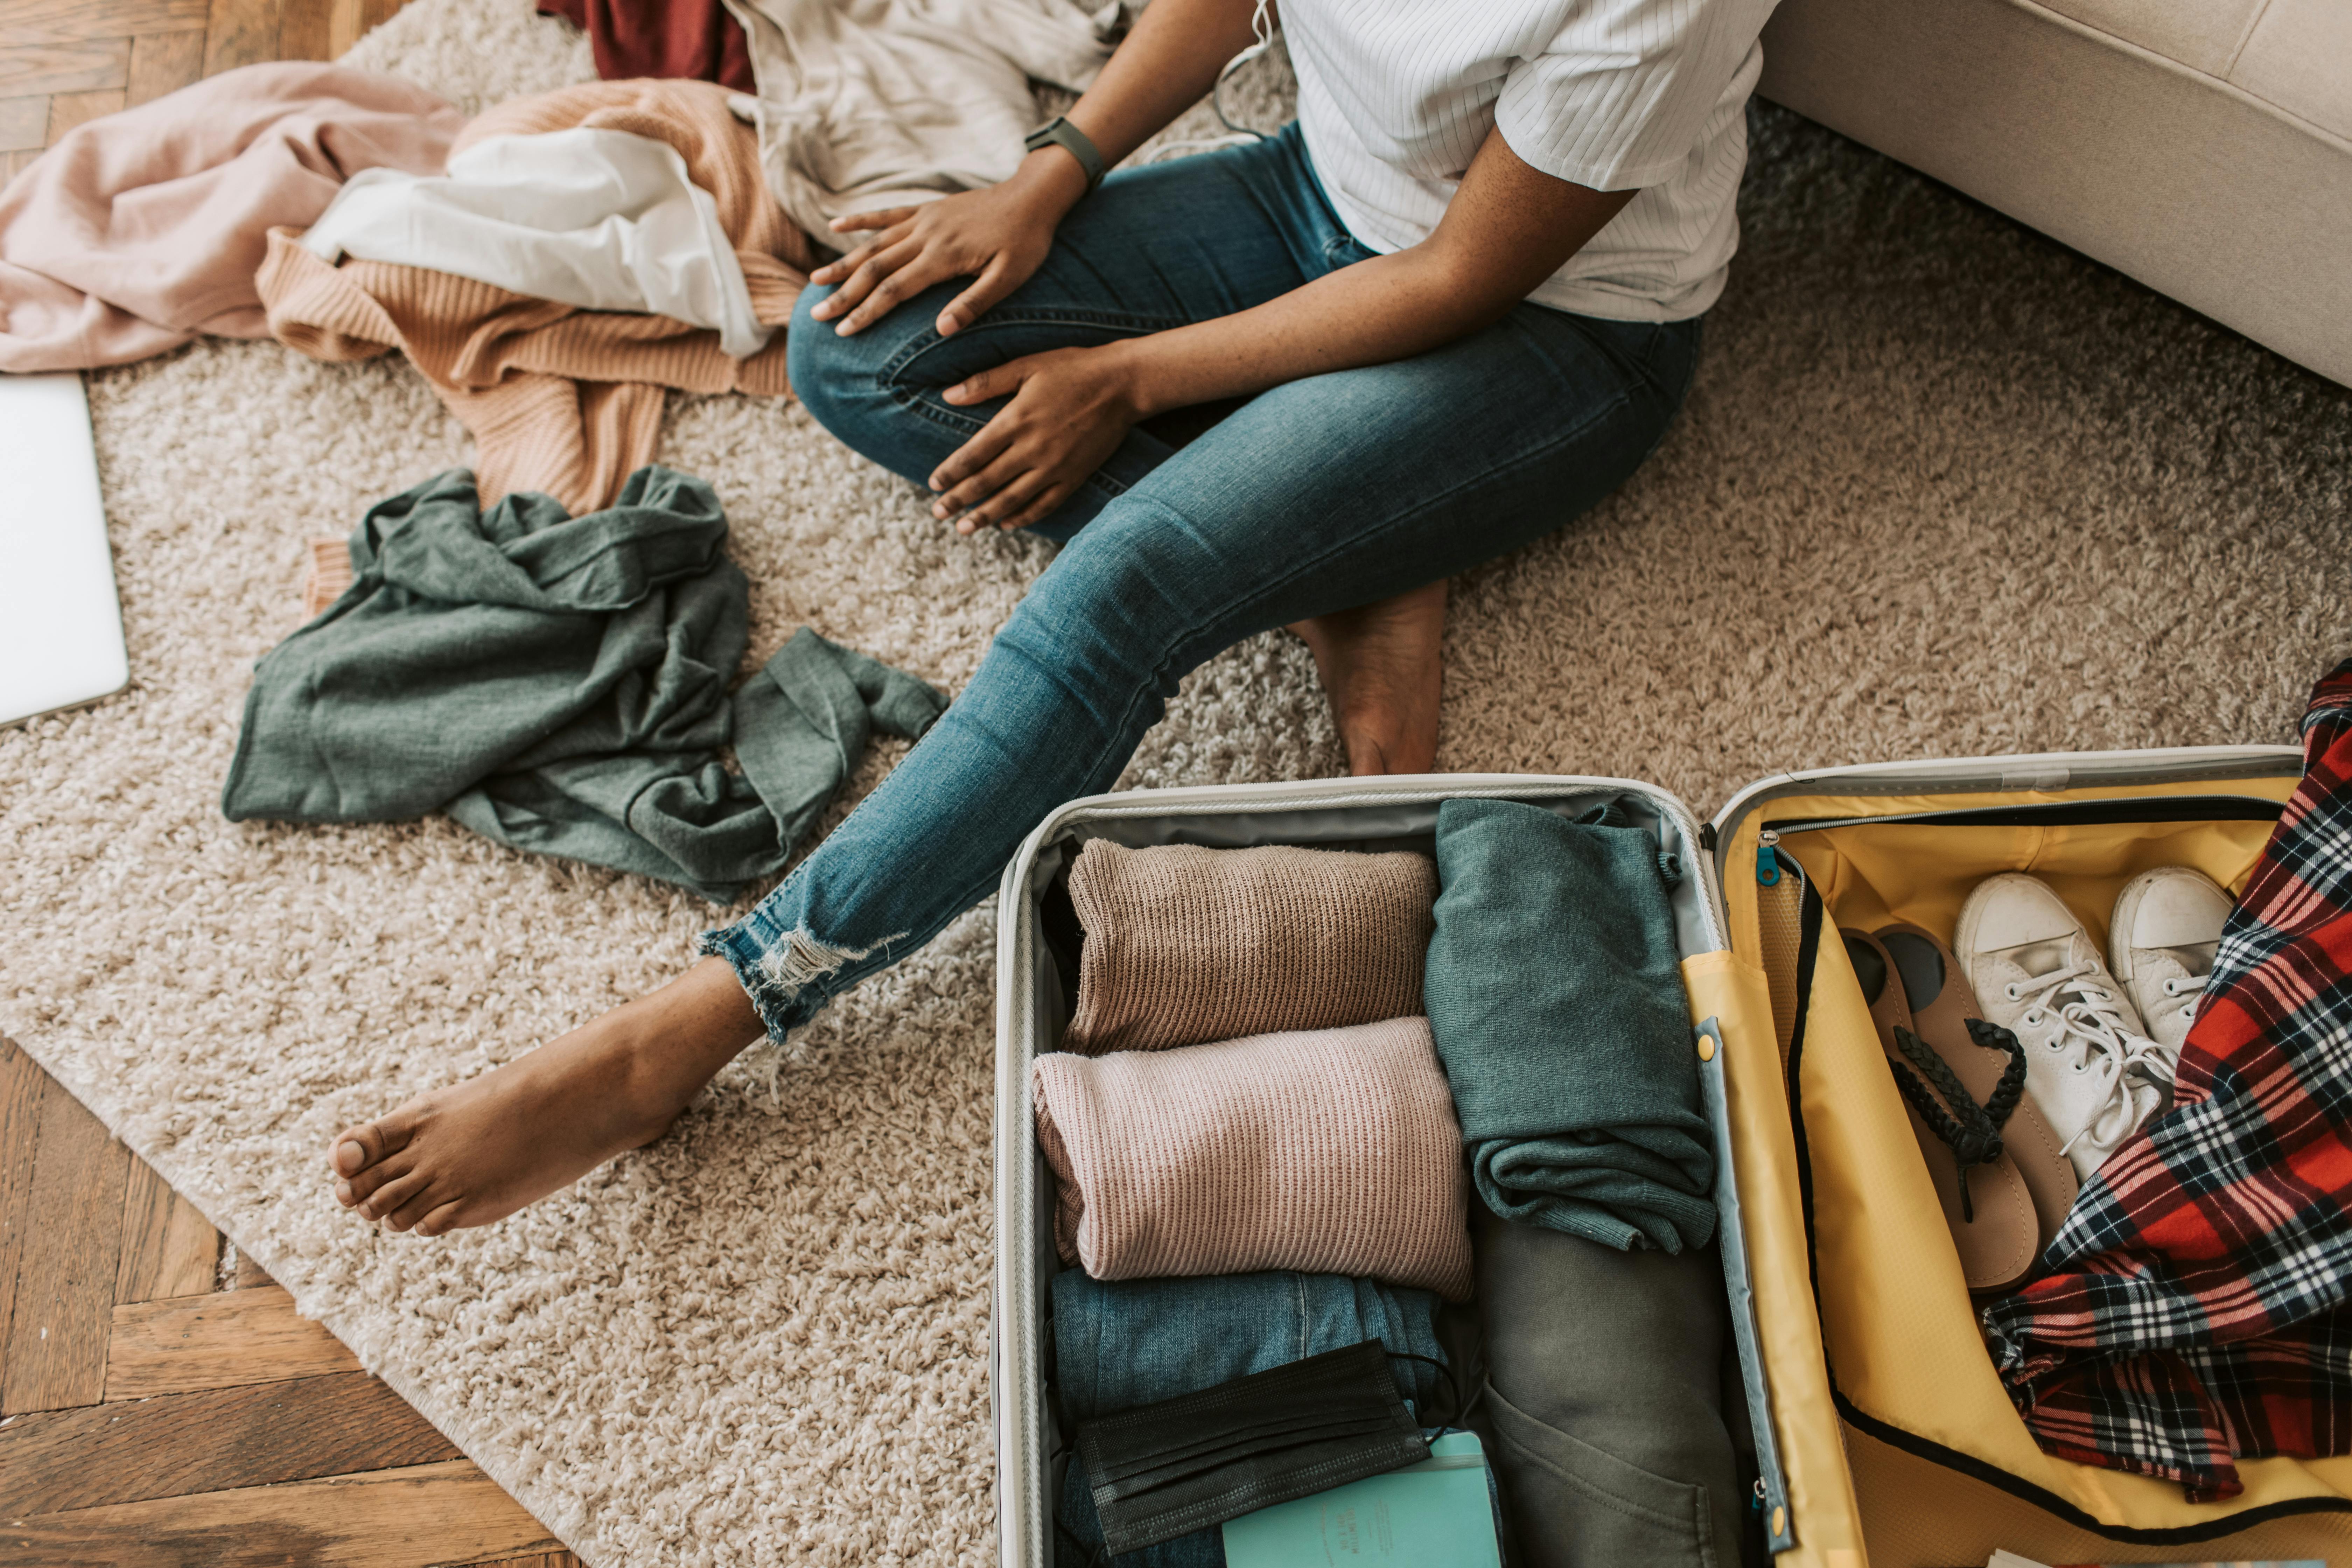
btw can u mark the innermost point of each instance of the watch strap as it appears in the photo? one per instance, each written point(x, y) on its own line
point(1062, 133)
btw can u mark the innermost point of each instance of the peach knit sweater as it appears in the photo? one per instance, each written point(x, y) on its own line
point(1186, 944)
point(1332, 1151)
point(558, 399)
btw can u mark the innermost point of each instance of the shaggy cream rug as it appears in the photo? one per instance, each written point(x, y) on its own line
point(1943, 488)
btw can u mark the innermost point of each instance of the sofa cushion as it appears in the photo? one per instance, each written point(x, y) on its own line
point(2291, 54)
point(2203, 35)
point(2299, 57)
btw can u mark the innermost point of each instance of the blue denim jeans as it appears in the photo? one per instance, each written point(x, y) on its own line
point(1318, 495)
point(1125, 1342)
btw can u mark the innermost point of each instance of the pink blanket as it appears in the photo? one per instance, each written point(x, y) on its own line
point(1330, 1152)
point(141, 229)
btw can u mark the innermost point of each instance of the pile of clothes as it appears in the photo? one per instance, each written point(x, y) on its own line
point(1286, 1073)
point(556, 264)
point(553, 267)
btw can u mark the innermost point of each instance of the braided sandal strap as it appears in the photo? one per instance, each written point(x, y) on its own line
point(1970, 1130)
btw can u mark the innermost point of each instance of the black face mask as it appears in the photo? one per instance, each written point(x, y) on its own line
point(1163, 1470)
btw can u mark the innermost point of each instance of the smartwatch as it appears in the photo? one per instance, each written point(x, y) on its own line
point(1062, 133)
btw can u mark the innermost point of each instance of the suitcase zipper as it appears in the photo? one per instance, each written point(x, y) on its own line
point(1778, 932)
point(2053, 814)
point(1226, 800)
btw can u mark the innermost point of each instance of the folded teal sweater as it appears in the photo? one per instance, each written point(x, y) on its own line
point(560, 684)
point(1555, 996)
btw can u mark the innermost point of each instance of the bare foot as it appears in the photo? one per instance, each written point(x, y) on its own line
point(1381, 664)
point(476, 1151)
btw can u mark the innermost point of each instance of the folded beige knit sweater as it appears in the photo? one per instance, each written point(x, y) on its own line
point(1185, 944)
point(1329, 1152)
point(560, 399)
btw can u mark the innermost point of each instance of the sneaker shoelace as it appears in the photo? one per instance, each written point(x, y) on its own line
point(2192, 987)
point(2093, 1029)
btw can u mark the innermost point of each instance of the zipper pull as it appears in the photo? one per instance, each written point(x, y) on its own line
point(1768, 860)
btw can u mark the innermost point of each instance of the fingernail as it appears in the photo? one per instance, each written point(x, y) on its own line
point(344, 1191)
point(940, 510)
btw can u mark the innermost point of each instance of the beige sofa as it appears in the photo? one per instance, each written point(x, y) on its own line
point(2202, 146)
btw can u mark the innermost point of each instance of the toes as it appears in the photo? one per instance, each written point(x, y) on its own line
point(351, 1191)
point(388, 1197)
point(439, 1221)
point(356, 1148)
point(421, 1202)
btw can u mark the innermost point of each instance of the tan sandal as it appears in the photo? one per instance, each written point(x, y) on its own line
point(1986, 1204)
point(1942, 1003)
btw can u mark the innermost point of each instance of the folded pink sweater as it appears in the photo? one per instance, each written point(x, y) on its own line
point(139, 230)
point(1331, 1152)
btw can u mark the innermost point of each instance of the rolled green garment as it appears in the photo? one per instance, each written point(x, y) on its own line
point(1555, 997)
point(561, 684)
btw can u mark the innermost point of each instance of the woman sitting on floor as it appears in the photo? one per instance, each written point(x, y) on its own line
point(1450, 308)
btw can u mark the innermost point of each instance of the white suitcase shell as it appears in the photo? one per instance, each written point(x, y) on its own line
point(1030, 1011)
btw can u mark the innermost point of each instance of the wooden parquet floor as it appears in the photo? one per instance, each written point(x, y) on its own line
point(160, 1405)
point(66, 61)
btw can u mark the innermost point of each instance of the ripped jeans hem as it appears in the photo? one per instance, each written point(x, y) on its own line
point(785, 978)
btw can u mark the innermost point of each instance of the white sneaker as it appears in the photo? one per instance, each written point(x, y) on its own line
point(2090, 1067)
point(2168, 926)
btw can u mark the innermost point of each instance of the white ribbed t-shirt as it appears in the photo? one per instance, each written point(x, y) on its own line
point(1395, 98)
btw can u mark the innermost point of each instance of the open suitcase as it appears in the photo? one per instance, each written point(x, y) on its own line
point(1882, 1433)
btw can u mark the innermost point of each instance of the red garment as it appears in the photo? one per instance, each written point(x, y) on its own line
point(691, 40)
point(2199, 1307)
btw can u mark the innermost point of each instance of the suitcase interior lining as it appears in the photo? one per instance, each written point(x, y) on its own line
point(1907, 1366)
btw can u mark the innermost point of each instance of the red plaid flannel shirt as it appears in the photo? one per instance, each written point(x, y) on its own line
point(2198, 1304)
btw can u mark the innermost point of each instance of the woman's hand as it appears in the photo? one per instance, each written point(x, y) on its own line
point(1070, 409)
point(997, 237)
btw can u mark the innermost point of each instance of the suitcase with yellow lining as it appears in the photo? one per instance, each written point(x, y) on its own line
point(1910, 1452)
point(1884, 1434)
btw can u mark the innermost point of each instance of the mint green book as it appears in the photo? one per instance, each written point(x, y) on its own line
point(1431, 1515)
